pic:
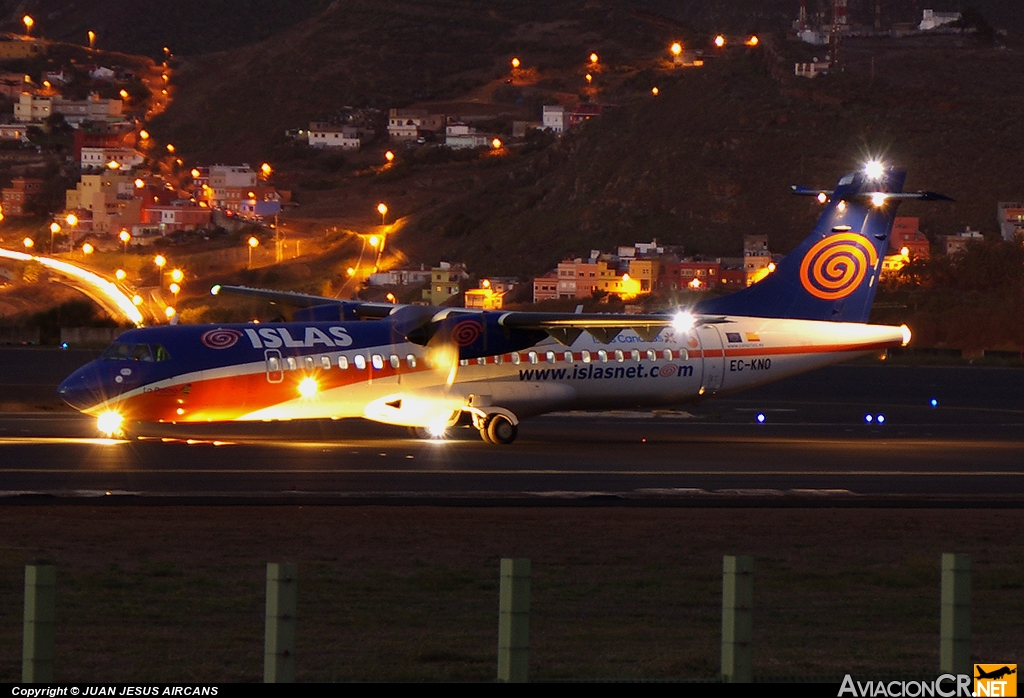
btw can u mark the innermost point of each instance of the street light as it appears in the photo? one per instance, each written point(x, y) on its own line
point(87, 249)
point(54, 229)
point(177, 275)
point(29, 243)
point(92, 39)
point(253, 244)
point(120, 274)
point(389, 156)
point(29, 22)
point(125, 238)
point(719, 41)
point(266, 170)
point(382, 209)
point(593, 58)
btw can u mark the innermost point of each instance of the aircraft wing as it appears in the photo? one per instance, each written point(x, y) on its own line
point(303, 300)
point(566, 327)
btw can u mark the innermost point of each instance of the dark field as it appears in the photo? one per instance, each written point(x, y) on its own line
point(410, 593)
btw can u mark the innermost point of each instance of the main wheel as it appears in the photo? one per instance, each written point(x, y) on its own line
point(501, 430)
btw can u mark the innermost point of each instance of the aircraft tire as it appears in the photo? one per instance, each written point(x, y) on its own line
point(420, 433)
point(501, 430)
point(485, 436)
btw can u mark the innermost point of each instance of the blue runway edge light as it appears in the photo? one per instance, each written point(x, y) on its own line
point(933, 402)
point(760, 417)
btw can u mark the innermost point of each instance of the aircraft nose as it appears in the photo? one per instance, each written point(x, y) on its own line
point(83, 388)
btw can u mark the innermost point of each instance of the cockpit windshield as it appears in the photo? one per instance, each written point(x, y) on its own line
point(123, 351)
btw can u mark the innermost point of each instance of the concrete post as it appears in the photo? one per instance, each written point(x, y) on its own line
point(279, 639)
point(40, 616)
point(737, 618)
point(514, 620)
point(955, 643)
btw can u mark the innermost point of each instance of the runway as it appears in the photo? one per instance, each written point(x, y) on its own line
point(814, 448)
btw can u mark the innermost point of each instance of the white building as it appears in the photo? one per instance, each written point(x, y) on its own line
point(932, 19)
point(554, 118)
point(97, 158)
point(327, 136)
point(410, 124)
point(225, 176)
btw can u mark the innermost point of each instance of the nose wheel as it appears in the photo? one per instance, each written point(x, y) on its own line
point(499, 429)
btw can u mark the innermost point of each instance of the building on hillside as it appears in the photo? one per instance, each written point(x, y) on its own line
point(583, 112)
point(412, 124)
point(261, 206)
point(951, 244)
point(18, 48)
point(14, 132)
point(906, 233)
point(13, 84)
point(930, 19)
point(400, 276)
point(460, 136)
point(111, 199)
point(93, 158)
point(545, 288)
point(102, 135)
point(34, 108)
point(23, 191)
point(812, 69)
point(174, 216)
point(322, 135)
point(1010, 217)
point(445, 281)
point(689, 274)
point(490, 295)
point(554, 118)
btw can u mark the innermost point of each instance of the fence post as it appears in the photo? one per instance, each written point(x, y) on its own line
point(955, 642)
point(514, 620)
point(40, 616)
point(279, 638)
point(737, 620)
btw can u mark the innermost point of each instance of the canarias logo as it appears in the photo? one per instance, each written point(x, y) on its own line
point(995, 679)
point(834, 267)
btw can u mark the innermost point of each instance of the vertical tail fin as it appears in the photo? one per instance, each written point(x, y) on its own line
point(833, 274)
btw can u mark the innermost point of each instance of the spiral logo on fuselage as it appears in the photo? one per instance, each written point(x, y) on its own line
point(466, 332)
point(835, 267)
point(220, 338)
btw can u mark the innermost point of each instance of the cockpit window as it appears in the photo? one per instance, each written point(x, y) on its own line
point(122, 351)
point(118, 351)
point(142, 352)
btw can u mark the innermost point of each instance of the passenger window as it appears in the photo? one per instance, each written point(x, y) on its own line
point(273, 363)
point(481, 360)
point(585, 356)
point(464, 362)
point(516, 358)
point(378, 361)
point(308, 362)
point(395, 361)
point(619, 356)
point(360, 361)
point(550, 356)
point(668, 355)
point(684, 354)
point(652, 355)
point(602, 356)
point(343, 362)
point(325, 361)
point(499, 359)
point(568, 357)
point(635, 355)
point(411, 361)
point(292, 363)
point(533, 357)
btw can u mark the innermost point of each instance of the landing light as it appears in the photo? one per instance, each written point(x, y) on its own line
point(874, 169)
point(878, 199)
point(308, 387)
point(109, 423)
point(906, 334)
point(683, 321)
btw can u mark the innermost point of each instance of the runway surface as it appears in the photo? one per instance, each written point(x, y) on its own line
point(814, 448)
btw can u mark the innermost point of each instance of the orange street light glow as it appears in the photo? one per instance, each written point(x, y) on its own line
point(72, 220)
point(654, 91)
point(593, 58)
point(719, 41)
point(752, 41)
point(177, 275)
point(88, 249)
point(28, 242)
point(144, 134)
point(29, 22)
point(170, 147)
point(515, 63)
point(496, 143)
point(160, 261)
point(253, 242)
point(676, 49)
point(389, 156)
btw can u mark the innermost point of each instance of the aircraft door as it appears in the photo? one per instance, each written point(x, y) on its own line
point(713, 352)
point(275, 366)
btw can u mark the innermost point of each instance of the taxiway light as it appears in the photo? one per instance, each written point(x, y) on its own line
point(880, 419)
point(760, 417)
point(308, 387)
point(874, 169)
point(683, 321)
point(868, 418)
point(933, 402)
point(109, 423)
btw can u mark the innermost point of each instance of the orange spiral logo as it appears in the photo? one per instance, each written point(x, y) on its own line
point(834, 267)
point(466, 332)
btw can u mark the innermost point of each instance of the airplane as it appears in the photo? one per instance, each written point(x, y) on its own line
point(995, 673)
point(429, 368)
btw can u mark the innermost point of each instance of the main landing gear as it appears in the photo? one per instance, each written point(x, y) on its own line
point(499, 429)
